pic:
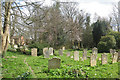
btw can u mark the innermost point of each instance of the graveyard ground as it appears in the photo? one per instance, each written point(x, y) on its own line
point(16, 64)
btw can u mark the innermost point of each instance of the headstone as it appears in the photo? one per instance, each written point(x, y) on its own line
point(92, 60)
point(46, 52)
point(15, 46)
point(76, 55)
point(51, 51)
point(115, 57)
point(104, 58)
point(63, 48)
point(112, 51)
point(34, 51)
point(61, 52)
point(95, 51)
point(84, 54)
point(54, 63)
point(68, 54)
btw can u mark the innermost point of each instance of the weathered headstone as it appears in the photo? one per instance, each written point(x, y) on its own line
point(92, 60)
point(54, 63)
point(51, 51)
point(112, 51)
point(115, 57)
point(63, 48)
point(61, 52)
point(95, 51)
point(104, 58)
point(46, 52)
point(84, 54)
point(34, 51)
point(76, 55)
point(68, 54)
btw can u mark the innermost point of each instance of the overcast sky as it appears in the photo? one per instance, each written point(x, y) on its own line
point(102, 8)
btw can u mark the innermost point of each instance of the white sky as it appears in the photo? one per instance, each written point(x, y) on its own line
point(102, 8)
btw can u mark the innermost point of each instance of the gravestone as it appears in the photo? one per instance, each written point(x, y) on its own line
point(104, 58)
point(84, 54)
point(76, 55)
point(61, 52)
point(51, 51)
point(112, 51)
point(34, 51)
point(54, 63)
point(63, 48)
point(92, 60)
point(115, 57)
point(68, 54)
point(95, 51)
point(45, 50)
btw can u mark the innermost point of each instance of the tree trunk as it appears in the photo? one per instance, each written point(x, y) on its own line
point(5, 35)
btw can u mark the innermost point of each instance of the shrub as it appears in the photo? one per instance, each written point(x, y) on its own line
point(117, 38)
point(106, 42)
point(39, 47)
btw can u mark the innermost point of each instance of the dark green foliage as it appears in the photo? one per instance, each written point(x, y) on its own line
point(117, 38)
point(106, 43)
point(39, 47)
point(100, 28)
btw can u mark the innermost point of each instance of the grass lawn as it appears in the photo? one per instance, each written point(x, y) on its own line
point(13, 66)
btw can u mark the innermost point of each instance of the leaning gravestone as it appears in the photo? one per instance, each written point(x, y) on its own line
point(95, 51)
point(76, 55)
point(104, 58)
point(115, 57)
point(68, 54)
point(34, 51)
point(46, 52)
point(61, 52)
point(51, 51)
point(84, 54)
point(92, 60)
point(54, 63)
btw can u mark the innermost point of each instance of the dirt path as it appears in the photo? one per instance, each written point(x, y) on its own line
point(30, 68)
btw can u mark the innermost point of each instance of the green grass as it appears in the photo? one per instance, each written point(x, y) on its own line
point(13, 67)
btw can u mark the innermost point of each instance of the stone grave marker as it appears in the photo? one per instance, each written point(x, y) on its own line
point(61, 52)
point(46, 52)
point(34, 51)
point(68, 54)
point(84, 54)
point(92, 60)
point(104, 58)
point(54, 63)
point(95, 51)
point(51, 51)
point(76, 55)
point(115, 57)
